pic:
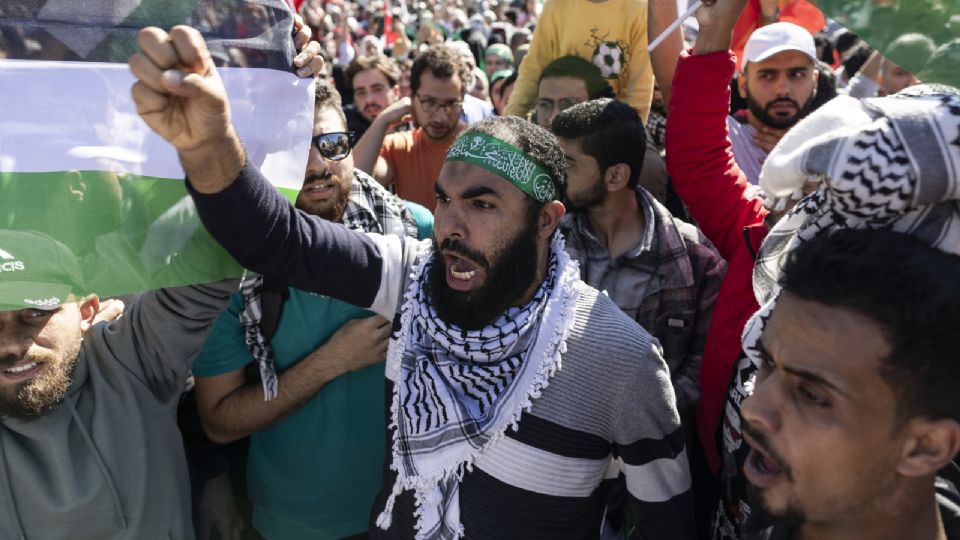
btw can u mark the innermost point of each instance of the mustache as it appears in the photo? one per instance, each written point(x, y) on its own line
point(456, 246)
point(10, 359)
point(311, 177)
point(783, 100)
point(762, 443)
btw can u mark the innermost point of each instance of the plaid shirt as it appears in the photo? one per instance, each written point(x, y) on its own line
point(668, 284)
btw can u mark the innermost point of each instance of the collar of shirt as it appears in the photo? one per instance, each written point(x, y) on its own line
point(662, 247)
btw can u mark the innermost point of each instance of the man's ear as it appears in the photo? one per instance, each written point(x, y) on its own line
point(616, 176)
point(928, 446)
point(395, 90)
point(742, 83)
point(89, 307)
point(550, 216)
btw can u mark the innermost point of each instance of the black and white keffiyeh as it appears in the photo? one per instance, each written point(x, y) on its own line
point(456, 392)
point(370, 208)
point(891, 163)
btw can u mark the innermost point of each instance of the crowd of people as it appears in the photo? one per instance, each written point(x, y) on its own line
point(539, 281)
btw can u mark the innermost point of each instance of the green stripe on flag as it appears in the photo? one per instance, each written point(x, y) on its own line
point(901, 29)
point(130, 233)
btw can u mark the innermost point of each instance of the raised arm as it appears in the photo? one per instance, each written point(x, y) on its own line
point(699, 153)
point(181, 97)
point(366, 154)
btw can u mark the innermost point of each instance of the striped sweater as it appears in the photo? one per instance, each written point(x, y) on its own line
point(609, 410)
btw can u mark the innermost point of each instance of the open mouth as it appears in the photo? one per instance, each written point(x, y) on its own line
point(23, 371)
point(761, 469)
point(320, 189)
point(461, 272)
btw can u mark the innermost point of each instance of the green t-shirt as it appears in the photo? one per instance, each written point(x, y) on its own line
point(316, 473)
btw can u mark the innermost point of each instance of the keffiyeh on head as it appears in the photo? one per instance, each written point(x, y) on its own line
point(891, 163)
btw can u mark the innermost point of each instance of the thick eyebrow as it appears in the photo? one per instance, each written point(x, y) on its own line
point(479, 191)
point(802, 373)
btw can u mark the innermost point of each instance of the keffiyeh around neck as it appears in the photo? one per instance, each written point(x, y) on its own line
point(370, 208)
point(456, 392)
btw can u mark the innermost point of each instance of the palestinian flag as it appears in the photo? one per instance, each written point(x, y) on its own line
point(898, 28)
point(78, 164)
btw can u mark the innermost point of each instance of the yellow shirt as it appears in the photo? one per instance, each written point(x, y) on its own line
point(612, 34)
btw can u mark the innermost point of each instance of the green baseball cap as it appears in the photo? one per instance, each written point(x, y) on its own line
point(36, 271)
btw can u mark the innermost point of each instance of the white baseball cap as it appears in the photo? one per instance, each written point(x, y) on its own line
point(771, 39)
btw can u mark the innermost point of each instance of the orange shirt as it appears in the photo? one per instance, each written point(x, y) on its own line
point(416, 162)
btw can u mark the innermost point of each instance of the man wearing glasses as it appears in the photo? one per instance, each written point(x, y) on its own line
point(409, 162)
point(315, 416)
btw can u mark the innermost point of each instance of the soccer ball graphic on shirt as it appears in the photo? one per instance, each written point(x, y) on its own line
point(608, 56)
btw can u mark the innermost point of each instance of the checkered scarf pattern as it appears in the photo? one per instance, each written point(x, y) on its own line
point(891, 163)
point(457, 391)
point(370, 208)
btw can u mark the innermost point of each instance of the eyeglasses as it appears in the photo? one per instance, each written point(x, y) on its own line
point(335, 146)
point(431, 105)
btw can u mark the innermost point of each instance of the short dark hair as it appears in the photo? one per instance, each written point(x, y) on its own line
point(380, 63)
point(537, 143)
point(326, 96)
point(911, 289)
point(607, 130)
point(586, 71)
point(443, 63)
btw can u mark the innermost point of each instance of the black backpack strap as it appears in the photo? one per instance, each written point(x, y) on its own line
point(272, 297)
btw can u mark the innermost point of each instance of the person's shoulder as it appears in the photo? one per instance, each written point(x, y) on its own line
point(605, 325)
point(694, 241)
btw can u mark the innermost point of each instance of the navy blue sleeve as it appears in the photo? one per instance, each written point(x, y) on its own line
point(266, 234)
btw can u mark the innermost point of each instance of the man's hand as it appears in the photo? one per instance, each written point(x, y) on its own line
point(218, 511)
point(716, 19)
point(110, 310)
point(360, 343)
point(308, 61)
point(396, 113)
point(766, 138)
point(179, 94)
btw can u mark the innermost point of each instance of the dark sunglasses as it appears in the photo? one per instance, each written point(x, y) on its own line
point(335, 146)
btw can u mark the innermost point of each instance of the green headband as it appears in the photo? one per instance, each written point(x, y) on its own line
point(506, 161)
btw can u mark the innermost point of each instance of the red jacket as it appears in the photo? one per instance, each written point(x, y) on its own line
point(706, 177)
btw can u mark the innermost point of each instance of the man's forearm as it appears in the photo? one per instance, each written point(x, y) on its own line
point(367, 149)
point(212, 168)
point(244, 411)
point(264, 233)
point(660, 14)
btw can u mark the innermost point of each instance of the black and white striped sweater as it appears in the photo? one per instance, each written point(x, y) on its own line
point(609, 410)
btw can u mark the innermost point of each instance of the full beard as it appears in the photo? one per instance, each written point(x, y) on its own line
point(589, 199)
point(762, 112)
point(30, 399)
point(507, 280)
point(329, 210)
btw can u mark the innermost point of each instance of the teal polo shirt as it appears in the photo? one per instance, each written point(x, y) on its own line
point(314, 474)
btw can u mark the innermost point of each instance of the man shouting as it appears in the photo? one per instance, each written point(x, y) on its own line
point(516, 390)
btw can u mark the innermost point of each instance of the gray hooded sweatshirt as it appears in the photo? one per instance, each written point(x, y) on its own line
point(108, 461)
